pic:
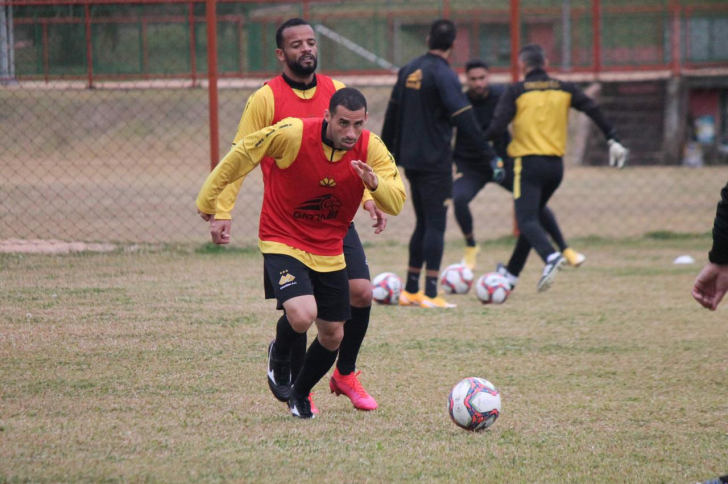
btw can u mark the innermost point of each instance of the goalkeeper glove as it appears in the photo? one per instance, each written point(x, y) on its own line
point(499, 171)
point(617, 154)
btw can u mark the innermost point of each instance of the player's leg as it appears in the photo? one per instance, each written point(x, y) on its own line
point(528, 195)
point(517, 261)
point(299, 305)
point(466, 186)
point(522, 249)
point(552, 173)
point(533, 186)
point(548, 220)
point(345, 378)
point(438, 187)
point(410, 295)
point(331, 291)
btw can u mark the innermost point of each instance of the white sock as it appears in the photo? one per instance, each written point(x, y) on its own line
point(553, 257)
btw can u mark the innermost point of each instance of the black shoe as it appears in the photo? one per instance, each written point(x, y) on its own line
point(279, 374)
point(300, 407)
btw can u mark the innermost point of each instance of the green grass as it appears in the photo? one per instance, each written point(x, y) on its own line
point(148, 366)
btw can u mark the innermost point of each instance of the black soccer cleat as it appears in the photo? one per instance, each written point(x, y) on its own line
point(279, 374)
point(300, 407)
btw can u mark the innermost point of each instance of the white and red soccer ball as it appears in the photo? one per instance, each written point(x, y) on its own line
point(492, 288)
point(456, 279)
point(474, 404)
point(386, 288)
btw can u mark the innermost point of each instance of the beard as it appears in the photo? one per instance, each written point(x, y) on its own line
point(301, 70)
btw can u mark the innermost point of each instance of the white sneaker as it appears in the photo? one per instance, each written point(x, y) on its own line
point(556, 263)
point(503, 271)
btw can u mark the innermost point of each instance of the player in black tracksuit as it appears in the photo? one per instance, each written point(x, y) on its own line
point(473, 173)
point(712, 282)
point(427, 100)
point(539, 109)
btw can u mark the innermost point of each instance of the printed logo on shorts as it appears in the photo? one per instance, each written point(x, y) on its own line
point(286, 279)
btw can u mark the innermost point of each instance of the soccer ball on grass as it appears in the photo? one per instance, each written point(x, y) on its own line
point(456, 279)
point(386, 288)
point(492, 288)
point(474, 404)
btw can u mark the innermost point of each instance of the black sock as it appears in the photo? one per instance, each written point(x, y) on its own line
point(431, 286)
point(354, 331)
point(318, 361)
point(413, 282)
point(285, 337)
point(298, 354)
point(470, 240)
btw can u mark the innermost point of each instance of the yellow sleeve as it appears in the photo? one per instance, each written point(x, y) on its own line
point(258, 113)
point(390, 194)
point(282, 141)
point(338, 85)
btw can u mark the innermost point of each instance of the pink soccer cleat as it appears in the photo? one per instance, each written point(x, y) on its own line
point(350, 386)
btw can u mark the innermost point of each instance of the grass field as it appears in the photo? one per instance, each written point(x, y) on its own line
point(149, 366)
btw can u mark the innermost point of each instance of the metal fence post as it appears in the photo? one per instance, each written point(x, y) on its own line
point(515, 47)
point(212, 81)
point(89, 54)
point(515, 38)
point(5, 25)
point(597, 41)
point(193, 43)
point(676, 38)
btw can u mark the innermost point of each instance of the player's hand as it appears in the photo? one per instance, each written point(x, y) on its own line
point(379, 217)
point(366, 174)
point(499, 169)
point(205, 216)
point(618, 154)
point(711, 285)
point(220, 231)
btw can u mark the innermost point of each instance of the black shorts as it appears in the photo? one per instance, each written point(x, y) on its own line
point(356, 260)
point(286, 277)
point(482, 173)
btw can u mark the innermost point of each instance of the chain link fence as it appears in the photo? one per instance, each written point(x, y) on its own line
point(105, 117)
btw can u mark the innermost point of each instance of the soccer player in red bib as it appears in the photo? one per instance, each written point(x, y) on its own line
point(301, 93)
point(314, 184)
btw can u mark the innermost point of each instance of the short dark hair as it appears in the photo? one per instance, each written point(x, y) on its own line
point(291, 22)
point(348, 97)
point(532, 56)
point(476, 64)
point(442, 35)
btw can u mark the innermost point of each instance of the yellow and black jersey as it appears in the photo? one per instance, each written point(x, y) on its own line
point(283, 142)
point(538, 107)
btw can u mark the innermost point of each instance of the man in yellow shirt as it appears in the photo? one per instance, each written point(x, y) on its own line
point(300, 92)
point(538, 108)
point(313, 187)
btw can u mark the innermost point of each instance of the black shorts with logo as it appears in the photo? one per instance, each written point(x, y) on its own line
point(356, 260)
point(286, 277)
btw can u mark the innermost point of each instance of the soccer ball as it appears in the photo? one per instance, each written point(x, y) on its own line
point(492, 288)
point(386, 288)
point(456, 279)
point(474, 404)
